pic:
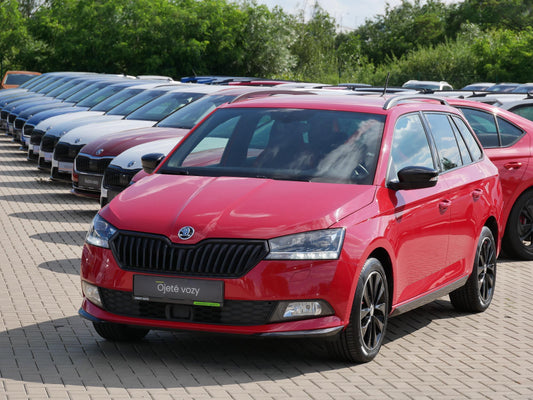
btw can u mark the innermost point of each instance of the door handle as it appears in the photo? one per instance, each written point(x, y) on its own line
point(443, 205)
point(512, 165)
point(476, 194)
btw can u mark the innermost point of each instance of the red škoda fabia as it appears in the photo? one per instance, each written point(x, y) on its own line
point(300, 216)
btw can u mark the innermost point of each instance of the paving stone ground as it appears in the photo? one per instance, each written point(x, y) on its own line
point(48, 352)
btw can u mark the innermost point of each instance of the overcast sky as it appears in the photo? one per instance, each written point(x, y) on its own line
point(347, 13)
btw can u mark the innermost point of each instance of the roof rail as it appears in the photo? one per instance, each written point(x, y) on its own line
point(397, 99)
point(265, 93)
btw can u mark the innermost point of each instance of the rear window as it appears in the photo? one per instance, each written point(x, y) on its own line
point(17, 79)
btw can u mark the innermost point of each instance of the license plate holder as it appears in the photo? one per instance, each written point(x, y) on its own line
point(200, 292)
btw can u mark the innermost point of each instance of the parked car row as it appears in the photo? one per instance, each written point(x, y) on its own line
point(279, 210)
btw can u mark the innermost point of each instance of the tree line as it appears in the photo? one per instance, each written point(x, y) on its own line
point(474, 40)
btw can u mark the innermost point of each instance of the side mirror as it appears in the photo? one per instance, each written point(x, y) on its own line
point(150, 161)
point(414, 178)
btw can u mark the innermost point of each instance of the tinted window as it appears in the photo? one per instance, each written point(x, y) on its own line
point(290, 144)
point(135, 102)
point(473, 147)
point(508, 132)
point(17, 79)
point(484, 126)
point(410, 146)
point(116, 99)
point(159, 108)
point(525, 111)
point(101, 94)
point(447, 147)
point(188, 117)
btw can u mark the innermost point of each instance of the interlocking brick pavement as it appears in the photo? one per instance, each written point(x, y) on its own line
point(49, 352)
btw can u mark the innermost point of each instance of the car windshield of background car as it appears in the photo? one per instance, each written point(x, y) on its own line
point(186, 118)
point(164, 105)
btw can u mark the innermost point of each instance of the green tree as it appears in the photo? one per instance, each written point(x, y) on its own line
point(266, 40)
point(13, 34)
point(314, 47)
point(403, 28)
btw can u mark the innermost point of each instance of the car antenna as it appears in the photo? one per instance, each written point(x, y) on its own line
point(386, 84)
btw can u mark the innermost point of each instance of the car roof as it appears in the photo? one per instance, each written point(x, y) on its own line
point(350, 102)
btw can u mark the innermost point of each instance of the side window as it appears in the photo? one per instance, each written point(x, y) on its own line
point(465, 154)
point(410, 146)
point(447, 147)
point(473, 147)
point(525, 111)
point(508, 132)
point(484, 126)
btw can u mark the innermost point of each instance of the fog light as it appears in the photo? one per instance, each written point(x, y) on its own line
point(91, 293)
point(288, 310)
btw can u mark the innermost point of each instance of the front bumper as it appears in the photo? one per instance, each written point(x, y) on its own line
point(249, 302)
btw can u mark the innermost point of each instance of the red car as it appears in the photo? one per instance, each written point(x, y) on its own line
point(321, 216)
point(507, 139)
point(94, 158)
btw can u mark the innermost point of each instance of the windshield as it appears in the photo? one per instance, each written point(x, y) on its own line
point(135, 102)
point(48, 88)
point(159, 108)
point(288, 144)
point(66, 87)
point(186, 118)
point(103, 92)
point(116, 99)
point(83, 93)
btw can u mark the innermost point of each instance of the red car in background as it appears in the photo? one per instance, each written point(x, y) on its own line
point(320, 216)
point(508, 140)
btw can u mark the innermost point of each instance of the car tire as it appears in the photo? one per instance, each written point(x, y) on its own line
point(119, 332)
point(476, 295)
point(518, 238)
point(361, 340)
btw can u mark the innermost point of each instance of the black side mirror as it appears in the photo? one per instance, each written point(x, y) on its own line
point(150, 161)
point(414, 178)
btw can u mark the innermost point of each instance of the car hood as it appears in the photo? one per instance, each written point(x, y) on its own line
point(131, 158)
point(89, 132)
point(117, 143)
point(30, 111)
point(42, 115)
point(229, 207)
point(53, 122)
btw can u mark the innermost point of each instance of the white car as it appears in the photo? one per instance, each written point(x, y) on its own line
point(43, 143)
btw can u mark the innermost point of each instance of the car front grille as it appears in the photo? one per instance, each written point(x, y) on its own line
point(233, 312)
point(36, 136)
point(209, 258)
point(4, 114)
point(11, 118)
point(19, 123)
point(66, 152)
point(28, 131)
point(48, 143)
point(118, 178)
point(92, 165)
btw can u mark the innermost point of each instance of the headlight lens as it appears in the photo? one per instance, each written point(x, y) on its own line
point(100, 232)
point(315, 245)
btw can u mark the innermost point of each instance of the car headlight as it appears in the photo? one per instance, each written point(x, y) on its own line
point(315, 245)
point(100, 232)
